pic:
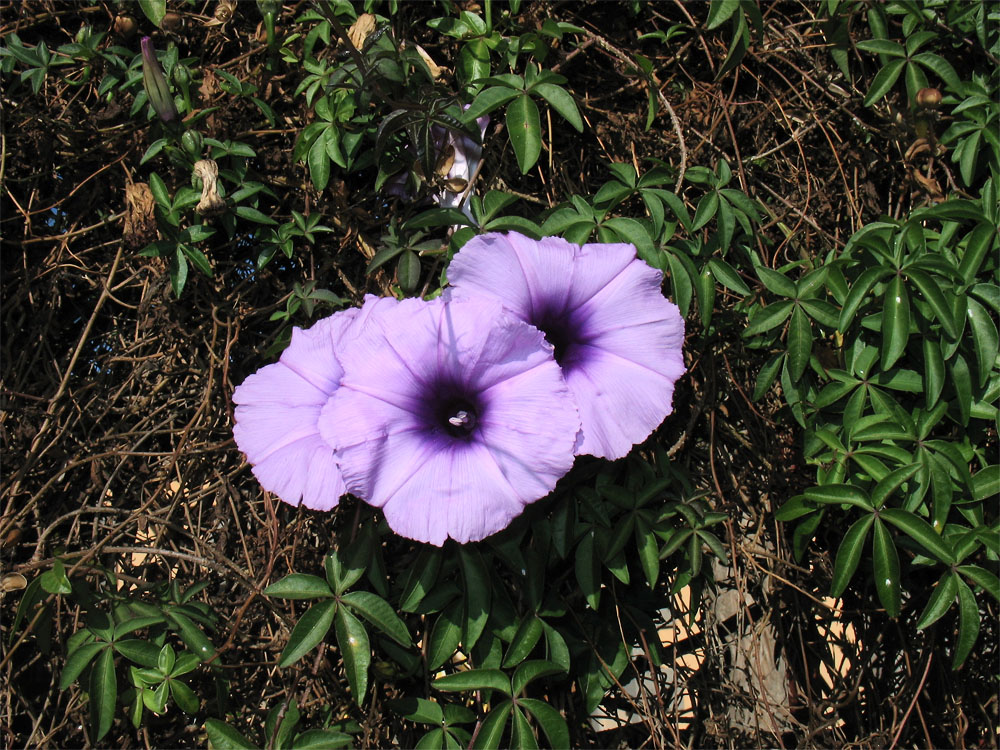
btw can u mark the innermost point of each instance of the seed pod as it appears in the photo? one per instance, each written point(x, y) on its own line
point(929, 98)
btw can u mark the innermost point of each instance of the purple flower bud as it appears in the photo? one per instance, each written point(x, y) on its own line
point(155, 83)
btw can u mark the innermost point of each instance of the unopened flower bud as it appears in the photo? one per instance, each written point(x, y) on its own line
point(929, 98)
point(155, 83)
point(181, 75)
point(193, 143)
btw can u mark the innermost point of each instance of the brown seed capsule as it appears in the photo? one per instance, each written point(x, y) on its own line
point(170, 22)
point(13, 582)
point(124, 26)
point(929, 98)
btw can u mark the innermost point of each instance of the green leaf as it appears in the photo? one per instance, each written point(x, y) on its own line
point(933, 371)
point(525, 131)
point(649, 552)
point(527, 636)
point(895, 322)
point(221, 736)
point(588, 570)
point(319, 164)
point(311, 628)
point(550, 720)
point(891, 482)
point(859, 290)
point(886, 564)
point(940, 600)
point(884, 80)
point(193, 636)
point(155, 10)
point(882, 47)
point(77, 661)
point(474, 679)
point(299, 586)
point(531, 670)
point(776, 283)
point(840, 493)
point(800, 341)
point(488, 100)
point(252, 214)
point(982, 577)
point(985, 336)
point(726, 275)
point(986, 482)
point(356, 650)
point(344, 569)
point(719, 12)
point(321, 739)
point(491, 731)
point(379, 613)
point(408, 271)
point(478, 595)
point(920, 531)
point(184, 696)
point(849, 554)
point(420, 579)
point(978, 244)
point(522, 737)
point(961, 379)
point(708, 206)
point(103, 694)
point(418, 710)
point(561, 101)
point(934, 296)
point(54, 581)
point(138, 651)
point(634, 232)
point(968, 624)
point(445, 636)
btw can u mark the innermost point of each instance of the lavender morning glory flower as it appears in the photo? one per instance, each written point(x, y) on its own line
point(451, 416)
point(616, 337)
point(277, 412)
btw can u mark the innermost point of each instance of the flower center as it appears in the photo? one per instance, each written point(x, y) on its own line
point(458, 417)
point(559, 333)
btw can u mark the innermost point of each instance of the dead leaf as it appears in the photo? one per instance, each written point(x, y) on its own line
point(140, 216)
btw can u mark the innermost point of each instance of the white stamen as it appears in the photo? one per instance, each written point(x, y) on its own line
point(461, 419)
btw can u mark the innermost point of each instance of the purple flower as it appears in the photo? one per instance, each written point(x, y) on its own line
point(616, 337)
point(277, 412)
point(466, 157)
point(451, 416)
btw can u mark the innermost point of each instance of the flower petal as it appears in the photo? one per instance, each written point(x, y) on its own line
point(620, 402)
point(277, 412)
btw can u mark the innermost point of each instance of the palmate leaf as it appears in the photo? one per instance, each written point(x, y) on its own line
point(478, 595)
point(103, 694)
point(311, 628)
point(379, 613)
point(491, 731)
point(445, 636)
point(940, 600)
point(800, 340)
point(849, 554)
point(525, 131)
point(886, 563)
point(968, 624)
point(356, 650)
point(895, 322)
point(920, 531)
point(221, 736)
point(299, 586)
point(549, 719)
